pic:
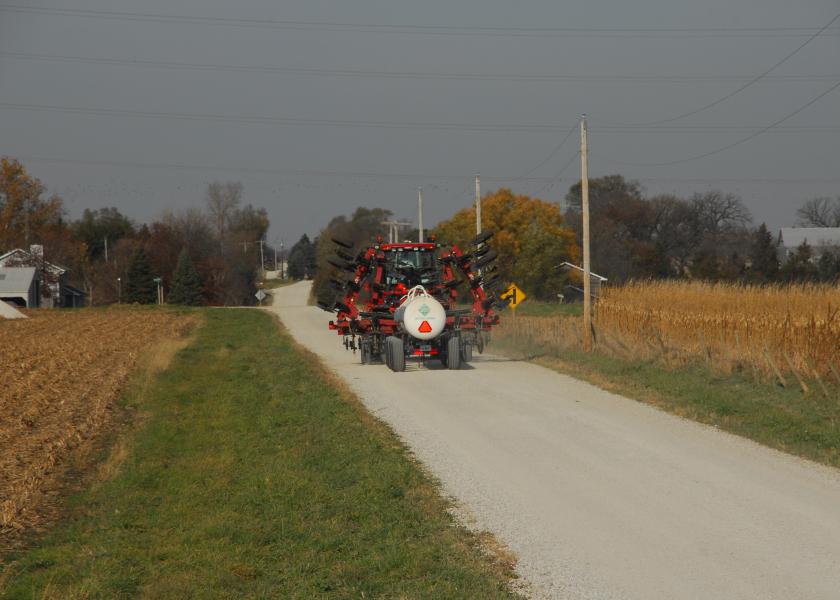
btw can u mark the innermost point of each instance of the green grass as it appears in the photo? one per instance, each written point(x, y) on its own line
point(273, 284)
point(253, 475)
point(538, 308)
point(782, 418)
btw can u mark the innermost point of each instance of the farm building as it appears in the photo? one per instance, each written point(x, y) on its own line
point(573, 293)
point(19, 286)
point(819, 239)
point(52, 287)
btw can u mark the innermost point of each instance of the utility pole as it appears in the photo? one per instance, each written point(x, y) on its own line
point(420, 211)
point(106, 248)
point(584, 193)
point(477, 204)
point(262, 258)
point(282, 262)
point(394, 231)
point(26, 222)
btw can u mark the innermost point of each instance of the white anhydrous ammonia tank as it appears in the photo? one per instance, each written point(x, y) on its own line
point(421, 316)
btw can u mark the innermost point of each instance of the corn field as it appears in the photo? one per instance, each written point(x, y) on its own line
point(788, 333)
point(60, 374)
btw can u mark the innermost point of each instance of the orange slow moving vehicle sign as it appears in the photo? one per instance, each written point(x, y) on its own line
point(516, 295)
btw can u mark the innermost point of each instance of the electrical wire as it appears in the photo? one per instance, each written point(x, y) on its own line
point(110, 112)
point(401, 176)
point(743, 87)
point(421, 75)
point(263, 171)
point(547, 158)
point(442, 126)
point(551, 182)
point(737, 142)
point(458, 30)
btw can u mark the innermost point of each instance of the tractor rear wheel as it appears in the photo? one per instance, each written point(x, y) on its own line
point(453, 353)
point(395, 352)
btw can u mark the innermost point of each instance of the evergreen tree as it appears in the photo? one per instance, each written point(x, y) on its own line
point(186, 284)
point(828, 266)
point(141, 287)
point(765, 261)
point(302, 259)
point(799, 266)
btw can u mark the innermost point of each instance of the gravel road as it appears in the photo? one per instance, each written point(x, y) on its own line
point(597, 495)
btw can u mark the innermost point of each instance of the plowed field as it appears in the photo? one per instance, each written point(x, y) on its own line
point(60, 375)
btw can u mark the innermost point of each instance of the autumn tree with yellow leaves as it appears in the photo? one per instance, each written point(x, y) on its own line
point(530, 236)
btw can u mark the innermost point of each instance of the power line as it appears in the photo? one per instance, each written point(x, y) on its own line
point(551, 182)
point(547, 158)
point(459, 30)
point(263, 171)
point(737, 142)
point(683, 129)
point(423, 75)
point(740, 89)
point(402, 176)
point(111, 112)
point(443, 126)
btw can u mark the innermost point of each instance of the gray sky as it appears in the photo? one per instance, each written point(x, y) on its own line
point(310, 131)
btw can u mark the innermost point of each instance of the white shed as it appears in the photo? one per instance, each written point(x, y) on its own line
point(19, 286)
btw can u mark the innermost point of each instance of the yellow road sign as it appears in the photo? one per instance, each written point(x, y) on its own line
point(516, 295)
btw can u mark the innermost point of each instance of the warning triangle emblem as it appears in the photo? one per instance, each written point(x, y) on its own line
point(425, 327)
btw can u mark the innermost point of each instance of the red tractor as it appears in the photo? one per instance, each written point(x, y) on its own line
point(402, 301)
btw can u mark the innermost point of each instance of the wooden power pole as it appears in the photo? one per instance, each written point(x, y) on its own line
point(420, 212)
point(477, 205)
point(587, 278)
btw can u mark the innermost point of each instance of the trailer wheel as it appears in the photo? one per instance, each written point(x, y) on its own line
point(479, 342)
point(395, 353)
point(453, 353)
point(467, 353)
point(365, 351)
point(386, 352)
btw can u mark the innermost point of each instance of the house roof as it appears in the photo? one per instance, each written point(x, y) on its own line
point(69, 289)
point(592, 274)
point(25, 255)
point(16, 280)
point(791, 237)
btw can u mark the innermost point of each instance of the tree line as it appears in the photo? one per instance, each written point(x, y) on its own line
point(708, 236)
point(206, 255)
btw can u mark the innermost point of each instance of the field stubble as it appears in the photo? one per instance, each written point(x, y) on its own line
point(60, 375)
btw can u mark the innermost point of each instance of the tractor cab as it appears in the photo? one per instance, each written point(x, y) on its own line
point(408, 265)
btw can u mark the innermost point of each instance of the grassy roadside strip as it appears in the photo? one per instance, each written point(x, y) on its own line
point(273, 284)
point(782, 418)
point(255, 475)
point(537, 308)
